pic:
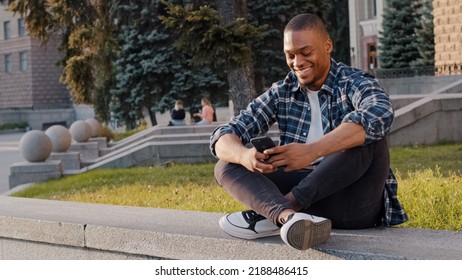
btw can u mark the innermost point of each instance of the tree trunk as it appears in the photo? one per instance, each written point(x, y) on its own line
point(151, 114)
point(242, 86)
point(240, 77)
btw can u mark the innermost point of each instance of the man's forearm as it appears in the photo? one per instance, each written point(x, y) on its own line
point(229, 148)
point(345, 136)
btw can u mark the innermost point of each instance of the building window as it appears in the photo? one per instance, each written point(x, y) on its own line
point(8, 63)
point(21, 28)
point(371, 9)
point(6, 29)
point(23, 62)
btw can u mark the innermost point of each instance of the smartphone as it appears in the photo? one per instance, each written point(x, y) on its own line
point(262, 143)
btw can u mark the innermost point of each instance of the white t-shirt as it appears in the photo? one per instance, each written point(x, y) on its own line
point(316, 130)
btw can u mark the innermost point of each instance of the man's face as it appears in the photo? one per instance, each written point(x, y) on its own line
point(308, 56)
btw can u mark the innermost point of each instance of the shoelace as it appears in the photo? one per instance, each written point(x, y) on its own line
point(252, 217)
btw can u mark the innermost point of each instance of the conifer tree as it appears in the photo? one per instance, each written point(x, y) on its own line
point(132, 68)
point(222, 45)
point(426, 36)
point(150, 74)
point(398, 40)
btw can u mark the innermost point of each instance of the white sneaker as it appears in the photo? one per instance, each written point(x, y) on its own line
point(248, 225)
point(303, 231)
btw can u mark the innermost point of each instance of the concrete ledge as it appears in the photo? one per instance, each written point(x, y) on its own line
point(395, 243)
point(69, 160)
point(422, 84)
point(87, 150)
point(45, 229)
point(158, 153)
point(158, 130)
point(428, 120)
point(14, 130)
point(129, 232)
point(26, 172)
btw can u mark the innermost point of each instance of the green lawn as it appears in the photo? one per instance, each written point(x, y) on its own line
point(448, 157)
point(430, 187)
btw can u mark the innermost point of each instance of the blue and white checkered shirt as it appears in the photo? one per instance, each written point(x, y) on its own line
point(348, 95)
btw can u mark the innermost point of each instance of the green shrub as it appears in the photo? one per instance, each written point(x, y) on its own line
point(16, 125)
point(432, 199)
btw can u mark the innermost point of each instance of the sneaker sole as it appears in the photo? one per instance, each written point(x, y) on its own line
point(305, 234)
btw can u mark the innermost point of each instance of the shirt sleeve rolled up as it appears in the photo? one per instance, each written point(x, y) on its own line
point(373, 109)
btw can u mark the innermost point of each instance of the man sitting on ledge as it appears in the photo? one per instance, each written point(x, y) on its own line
point(332, 167)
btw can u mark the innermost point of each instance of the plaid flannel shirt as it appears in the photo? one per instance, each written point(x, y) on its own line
point(348, 95)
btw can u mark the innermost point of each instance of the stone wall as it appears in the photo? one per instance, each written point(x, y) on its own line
point(429, 120)
point(15, 87)
point(447, 19)
point(38, 119)
point(47, 90)
point(418, 85)
point(37, 84)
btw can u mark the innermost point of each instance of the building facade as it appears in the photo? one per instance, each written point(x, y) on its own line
point(366, 24)
point(29, 77)
point(365, 19)
point(447, 19)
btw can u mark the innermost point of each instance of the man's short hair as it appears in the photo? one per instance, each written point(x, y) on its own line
point(306, 21)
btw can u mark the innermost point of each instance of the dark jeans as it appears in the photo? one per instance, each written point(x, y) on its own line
point(346, 187)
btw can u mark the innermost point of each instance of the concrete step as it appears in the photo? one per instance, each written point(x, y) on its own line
point(45, 229)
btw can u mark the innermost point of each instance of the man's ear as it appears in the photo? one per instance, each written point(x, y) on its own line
point(329, 46)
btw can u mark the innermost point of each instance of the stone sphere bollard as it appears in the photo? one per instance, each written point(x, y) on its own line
point(60, 137)
point(35, 146)
point(80, 131)
point(95, 127)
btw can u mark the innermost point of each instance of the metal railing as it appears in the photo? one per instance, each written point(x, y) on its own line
point(391, 73)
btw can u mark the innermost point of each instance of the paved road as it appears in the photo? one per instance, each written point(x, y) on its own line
point(9, 154)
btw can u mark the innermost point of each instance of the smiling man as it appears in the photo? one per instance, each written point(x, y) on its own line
point(332, 165)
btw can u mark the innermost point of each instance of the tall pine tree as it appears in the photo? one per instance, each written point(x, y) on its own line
point(426, 36)
point(398, 40)
point(136, 86)
point(150, 73)
point(219, 40)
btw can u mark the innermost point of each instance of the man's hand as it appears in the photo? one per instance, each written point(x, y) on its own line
point(292, 156)
point(230, 148)
point(300, 155)
point(256, 161)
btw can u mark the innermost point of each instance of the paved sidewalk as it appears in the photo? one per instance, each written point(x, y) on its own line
point(9, 154)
